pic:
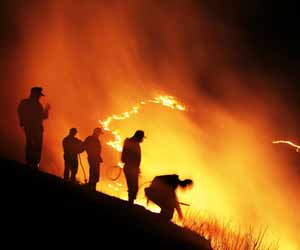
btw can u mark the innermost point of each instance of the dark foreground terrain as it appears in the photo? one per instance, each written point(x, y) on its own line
point(43, 211)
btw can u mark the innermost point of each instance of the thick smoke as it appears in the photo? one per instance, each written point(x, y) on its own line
point(96, 58)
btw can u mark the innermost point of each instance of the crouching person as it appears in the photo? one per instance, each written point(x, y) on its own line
point(162, 192)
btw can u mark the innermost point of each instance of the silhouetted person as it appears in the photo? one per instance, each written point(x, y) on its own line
point(31, 115)
point(131, 156)
point(162, 192)
point(92, 146)
point(72, 146)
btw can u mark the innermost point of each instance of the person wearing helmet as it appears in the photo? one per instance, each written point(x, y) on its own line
point(162, 192)
point(31, 115)
point(131, 157)
point(72, 146)
point(92, 145)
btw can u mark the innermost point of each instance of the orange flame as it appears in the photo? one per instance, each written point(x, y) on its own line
point(288, 142)
point(168, 101)
point(165, 100)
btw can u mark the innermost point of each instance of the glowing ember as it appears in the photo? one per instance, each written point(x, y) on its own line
point(168, 101)
point(288, 142)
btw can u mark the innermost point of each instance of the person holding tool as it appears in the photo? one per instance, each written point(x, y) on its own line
point(93, 147)
point(162, 192)
point(72, 147)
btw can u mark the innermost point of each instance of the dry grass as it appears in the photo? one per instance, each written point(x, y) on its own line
point(224, 236)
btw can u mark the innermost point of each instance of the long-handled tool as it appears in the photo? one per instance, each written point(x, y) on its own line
point(80, 162)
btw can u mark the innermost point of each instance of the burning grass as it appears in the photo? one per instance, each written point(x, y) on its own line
point(224, 236)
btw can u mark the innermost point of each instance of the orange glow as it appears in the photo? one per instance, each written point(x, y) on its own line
point(168, 101)
point(97, 58)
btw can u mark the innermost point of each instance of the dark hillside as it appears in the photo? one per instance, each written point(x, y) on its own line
point(39, 209)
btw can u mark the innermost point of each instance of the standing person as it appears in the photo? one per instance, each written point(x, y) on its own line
point(31, 115)
point(72, 146)
point(131, 156)
point(162, 192)
point(92, 146)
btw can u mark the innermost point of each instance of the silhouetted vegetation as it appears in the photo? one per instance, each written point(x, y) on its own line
point(224, 236)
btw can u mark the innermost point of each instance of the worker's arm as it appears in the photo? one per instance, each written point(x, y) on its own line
point(46, 111)
point(21, 111)
point(178, 209)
